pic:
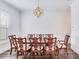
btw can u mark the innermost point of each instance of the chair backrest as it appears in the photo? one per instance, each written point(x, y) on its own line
point(49, 38)
point(48, 35)
point(21, 44)
point(12, 41)
point(30, 35)
point(40, 37)
point(34, 42)
point(51, 43)
point(66, 39)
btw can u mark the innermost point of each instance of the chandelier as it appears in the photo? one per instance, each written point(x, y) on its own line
point(38, 11)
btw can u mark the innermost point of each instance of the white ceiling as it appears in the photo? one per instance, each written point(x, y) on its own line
point(30, 4)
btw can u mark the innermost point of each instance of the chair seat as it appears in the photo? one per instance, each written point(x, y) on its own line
point(50, 48)
point(61, 46)
point(64, 46)
point(27, 49)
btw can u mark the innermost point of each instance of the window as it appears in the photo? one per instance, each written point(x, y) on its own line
point(4, 22)
point(4, 19)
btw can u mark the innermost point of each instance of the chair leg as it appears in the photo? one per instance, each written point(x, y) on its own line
point(58, 55)
point(24, 56)
point(10, 51)
point(17, 53)
point(66, 51)
point(31, 54)
point(54, 54)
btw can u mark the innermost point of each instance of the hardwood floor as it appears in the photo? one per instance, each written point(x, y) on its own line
point(71, 55)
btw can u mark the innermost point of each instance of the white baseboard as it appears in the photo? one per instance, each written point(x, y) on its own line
point(4, 46)
point(76, 50)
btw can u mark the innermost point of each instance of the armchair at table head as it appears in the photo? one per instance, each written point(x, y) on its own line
point(64, 43)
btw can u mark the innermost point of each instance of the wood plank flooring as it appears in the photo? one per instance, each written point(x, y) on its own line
point(71, 55)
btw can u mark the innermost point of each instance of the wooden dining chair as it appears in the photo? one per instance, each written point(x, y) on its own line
point(12, 43)
point(42, 45)
point(21, 46)
point(64, 43)
point(30, 37)
point(51, 47)
point(35, 47)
